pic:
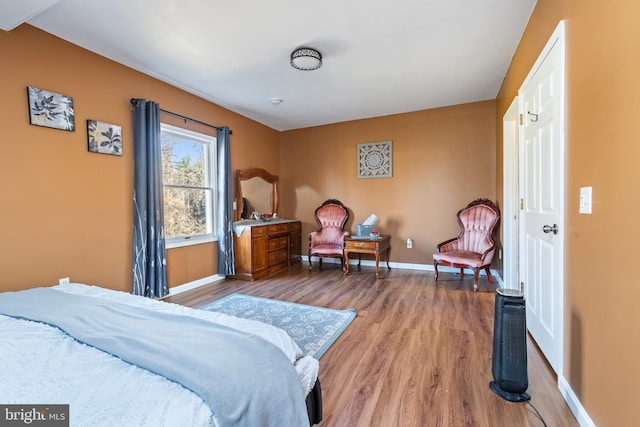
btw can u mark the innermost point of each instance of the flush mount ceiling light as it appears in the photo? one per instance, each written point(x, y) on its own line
point(306, 59)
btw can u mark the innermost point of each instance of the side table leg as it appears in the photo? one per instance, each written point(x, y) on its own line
point(388, 255)
point(377, 261)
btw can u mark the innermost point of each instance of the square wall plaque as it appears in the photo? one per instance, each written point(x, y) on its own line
point(375, 160)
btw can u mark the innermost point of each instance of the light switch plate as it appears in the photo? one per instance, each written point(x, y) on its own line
point(585, 200)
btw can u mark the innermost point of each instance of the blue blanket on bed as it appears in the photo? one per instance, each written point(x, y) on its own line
point(245, 380)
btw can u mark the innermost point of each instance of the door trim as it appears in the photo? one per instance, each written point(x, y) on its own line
point(511, 194)
point(556, 39)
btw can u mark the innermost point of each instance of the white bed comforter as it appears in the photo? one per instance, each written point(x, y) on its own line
point(42, 365)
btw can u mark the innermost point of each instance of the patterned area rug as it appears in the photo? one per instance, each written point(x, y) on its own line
point(314, 329)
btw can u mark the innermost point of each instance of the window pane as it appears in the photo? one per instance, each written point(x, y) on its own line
point(185, 211)
point(183, 161)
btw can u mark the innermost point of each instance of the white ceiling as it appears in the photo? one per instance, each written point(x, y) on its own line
point(380, 57)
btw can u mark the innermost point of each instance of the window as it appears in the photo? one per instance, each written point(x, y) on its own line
point(188, 181)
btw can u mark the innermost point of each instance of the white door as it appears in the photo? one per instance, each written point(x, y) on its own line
point(542, 193)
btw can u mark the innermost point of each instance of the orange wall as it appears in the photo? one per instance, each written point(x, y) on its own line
point(190, 263)
point(442, 159)
point(602, 322)
point(65, 211)
point(75, 217)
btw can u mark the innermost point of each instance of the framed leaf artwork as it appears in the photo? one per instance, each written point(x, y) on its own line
point(104, 138)
point(50, 109)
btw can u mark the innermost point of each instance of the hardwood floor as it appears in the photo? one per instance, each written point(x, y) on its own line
point(418, 353)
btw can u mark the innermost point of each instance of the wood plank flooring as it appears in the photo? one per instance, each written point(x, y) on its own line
point(418, 353)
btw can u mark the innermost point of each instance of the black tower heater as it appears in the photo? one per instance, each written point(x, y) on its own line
point(509, 368)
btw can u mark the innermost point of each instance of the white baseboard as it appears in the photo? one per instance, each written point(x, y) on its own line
point(403, 265)
point(574, 403)
point(195, 284)
point(370, 263)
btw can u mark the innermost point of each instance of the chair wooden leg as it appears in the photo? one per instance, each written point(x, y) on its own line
point(476, 272)
point(310, 265)
point(320, 263)
point(489, 274)
point(435, 266)
point(461, 272)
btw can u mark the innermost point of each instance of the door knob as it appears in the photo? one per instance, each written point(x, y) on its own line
point(550, 228)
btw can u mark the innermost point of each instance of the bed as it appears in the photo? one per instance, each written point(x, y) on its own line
point(84, 346)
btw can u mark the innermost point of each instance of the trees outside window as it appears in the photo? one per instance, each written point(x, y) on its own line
point(188, 185)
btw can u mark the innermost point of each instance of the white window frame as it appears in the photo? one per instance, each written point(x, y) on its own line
point(210, 173)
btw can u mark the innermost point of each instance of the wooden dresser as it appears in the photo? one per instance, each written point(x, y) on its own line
point(264, 248)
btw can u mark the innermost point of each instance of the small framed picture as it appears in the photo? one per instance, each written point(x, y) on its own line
point(104, 138)
point(50, 109)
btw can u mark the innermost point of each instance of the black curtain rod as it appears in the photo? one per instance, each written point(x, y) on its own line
point(185, 118)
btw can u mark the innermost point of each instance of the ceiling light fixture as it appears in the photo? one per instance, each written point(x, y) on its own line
point(306, 59)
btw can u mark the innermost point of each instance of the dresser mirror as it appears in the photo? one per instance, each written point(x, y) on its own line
point(256, 190)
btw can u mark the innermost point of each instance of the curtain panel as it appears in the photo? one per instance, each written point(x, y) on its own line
point(224, 214)
point(149, 250)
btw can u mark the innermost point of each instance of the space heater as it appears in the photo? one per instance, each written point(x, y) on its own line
point(510, 380)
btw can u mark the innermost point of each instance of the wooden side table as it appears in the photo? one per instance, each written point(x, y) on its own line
point(364, 245)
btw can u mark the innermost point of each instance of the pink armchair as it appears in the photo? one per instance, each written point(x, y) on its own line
point(328, 241)
point(474, 247)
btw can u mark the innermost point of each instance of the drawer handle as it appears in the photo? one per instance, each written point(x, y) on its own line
point(360, 244)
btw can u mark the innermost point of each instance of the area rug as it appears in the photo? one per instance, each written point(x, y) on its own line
point(313, 328)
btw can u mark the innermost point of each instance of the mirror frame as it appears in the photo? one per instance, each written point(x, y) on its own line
point(243, 175)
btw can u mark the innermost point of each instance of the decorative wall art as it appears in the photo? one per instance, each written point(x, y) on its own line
point(50, 109)
point(375, 160)
point(104, 138)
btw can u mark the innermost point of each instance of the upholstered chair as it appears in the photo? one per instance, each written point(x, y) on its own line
point(474, 247)
point(328, 241)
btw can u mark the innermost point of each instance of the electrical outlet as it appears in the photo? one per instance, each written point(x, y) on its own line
point(409, 243)
point(63, 281)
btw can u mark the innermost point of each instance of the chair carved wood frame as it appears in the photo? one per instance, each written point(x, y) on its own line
point(474, 247)
point(328, 241)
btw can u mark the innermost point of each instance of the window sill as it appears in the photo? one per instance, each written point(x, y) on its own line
point(189, 241)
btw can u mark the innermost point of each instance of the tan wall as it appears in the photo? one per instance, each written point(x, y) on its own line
point(65, 211)
point(190, 263)
point(602, 323)
point(442, 159)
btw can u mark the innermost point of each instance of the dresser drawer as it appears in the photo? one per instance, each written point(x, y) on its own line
point(361, 244)
point(276, 243)
point(278, 229)
point(278, 257)
point(258, 231)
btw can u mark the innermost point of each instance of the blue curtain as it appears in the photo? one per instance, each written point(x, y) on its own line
point(224, 214)
point(149, 251)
